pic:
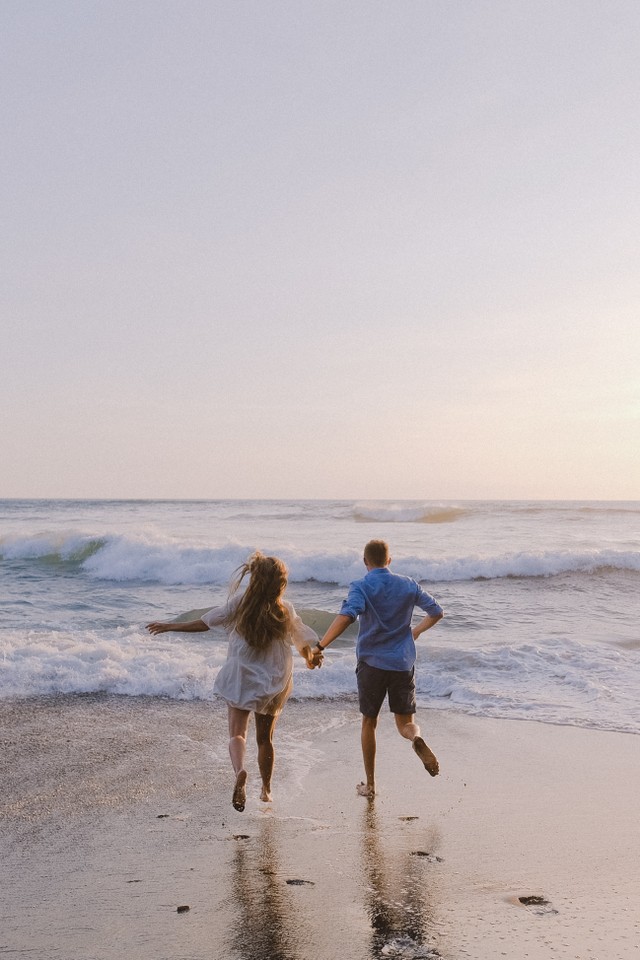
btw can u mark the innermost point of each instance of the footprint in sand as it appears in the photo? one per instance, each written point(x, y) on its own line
point(431, 857)
point(301, 883)
point(538, 905)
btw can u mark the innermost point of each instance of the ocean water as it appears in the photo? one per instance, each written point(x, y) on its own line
point(542, 599)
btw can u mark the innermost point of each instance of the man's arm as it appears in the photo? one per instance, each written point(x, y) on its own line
point(425, 624)
point(339, 625)
point(354, 604)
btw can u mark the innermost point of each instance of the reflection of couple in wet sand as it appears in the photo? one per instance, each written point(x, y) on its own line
point(258, 674)
point(270, 925)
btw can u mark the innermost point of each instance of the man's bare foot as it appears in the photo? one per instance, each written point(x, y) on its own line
point(365, 790)
point(266, 795)
point(427, 756)
point(240, 792)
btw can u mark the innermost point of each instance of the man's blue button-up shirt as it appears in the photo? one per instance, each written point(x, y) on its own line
point(384, 602)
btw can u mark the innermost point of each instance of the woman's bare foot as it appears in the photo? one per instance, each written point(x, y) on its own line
point(427, 756)
point(366, 790)
point(240, 792)
point(265, 795)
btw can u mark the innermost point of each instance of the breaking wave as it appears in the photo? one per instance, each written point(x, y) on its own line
point(155, 559)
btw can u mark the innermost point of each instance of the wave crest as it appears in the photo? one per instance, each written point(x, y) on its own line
point(166, 561)
point(403, 512)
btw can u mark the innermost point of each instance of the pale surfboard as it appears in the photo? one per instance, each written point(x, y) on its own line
point(318, 620)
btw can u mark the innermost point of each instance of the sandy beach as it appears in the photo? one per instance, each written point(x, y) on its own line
point(116, 812)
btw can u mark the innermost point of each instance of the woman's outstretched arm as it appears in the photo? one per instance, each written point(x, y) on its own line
point(189, 626)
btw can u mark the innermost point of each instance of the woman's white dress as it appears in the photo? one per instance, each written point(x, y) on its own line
point(259, 680)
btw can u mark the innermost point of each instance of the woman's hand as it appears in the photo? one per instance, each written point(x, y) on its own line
point(313, 658)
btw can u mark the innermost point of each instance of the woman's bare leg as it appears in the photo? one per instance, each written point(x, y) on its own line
point(265, 725)
point(238, 726)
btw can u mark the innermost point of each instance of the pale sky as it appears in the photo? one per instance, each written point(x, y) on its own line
point(283, 248)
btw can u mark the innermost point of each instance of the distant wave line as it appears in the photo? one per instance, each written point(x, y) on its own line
point(407, 513)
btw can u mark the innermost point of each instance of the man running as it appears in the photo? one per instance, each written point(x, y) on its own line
point(385, 652)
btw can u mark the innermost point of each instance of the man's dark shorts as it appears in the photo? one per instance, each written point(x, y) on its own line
point(374, 685)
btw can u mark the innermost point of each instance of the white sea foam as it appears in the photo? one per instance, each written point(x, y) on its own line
point(525, 564)
point(557, 681)
point(113, 661)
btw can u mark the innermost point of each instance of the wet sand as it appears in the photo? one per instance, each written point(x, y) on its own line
point(116, 811)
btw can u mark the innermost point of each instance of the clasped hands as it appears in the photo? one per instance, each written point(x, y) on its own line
point(314, 658)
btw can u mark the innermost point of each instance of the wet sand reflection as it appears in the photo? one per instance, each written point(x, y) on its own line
point(396, 899)
point(265, 925)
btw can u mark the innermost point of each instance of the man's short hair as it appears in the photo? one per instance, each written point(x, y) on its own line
point(376, 553)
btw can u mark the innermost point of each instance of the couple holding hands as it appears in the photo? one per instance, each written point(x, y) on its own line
point(257, 676)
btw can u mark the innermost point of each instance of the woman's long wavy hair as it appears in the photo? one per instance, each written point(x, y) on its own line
point(260, 616)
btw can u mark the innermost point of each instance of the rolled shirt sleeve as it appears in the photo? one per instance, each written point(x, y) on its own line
point(355, 603)
point(427, 603)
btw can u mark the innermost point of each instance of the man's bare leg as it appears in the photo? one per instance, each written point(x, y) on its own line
point(238, 725)
point(265, 725)
point(410, 730)
point(368, 741)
